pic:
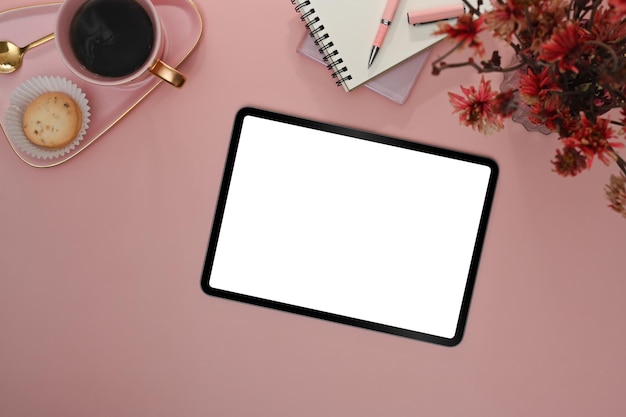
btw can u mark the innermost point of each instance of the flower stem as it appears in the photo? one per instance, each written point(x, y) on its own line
point(621, 163)
point(444, 56)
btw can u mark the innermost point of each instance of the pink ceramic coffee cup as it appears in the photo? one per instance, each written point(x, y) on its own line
point(153, 65)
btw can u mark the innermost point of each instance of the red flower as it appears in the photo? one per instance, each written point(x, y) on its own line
point(607, 26)
point(535, 87)
point(569, 123)
point(619, 6)
point(543, 17)
point(476, 108)
point(592, 139)
point(564, 46)
point(616, 193)
point(569, 162)
point(504, 19)
point(547, 112)
point(465, 31)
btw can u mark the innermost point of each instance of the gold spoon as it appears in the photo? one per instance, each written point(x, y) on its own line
point(11, 55)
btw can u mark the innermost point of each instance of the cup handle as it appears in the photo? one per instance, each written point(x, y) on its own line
point(167, 73)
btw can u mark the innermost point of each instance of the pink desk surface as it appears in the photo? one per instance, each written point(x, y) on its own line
point(101, 312)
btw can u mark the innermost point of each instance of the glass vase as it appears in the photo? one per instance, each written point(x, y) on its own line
point(511, 81)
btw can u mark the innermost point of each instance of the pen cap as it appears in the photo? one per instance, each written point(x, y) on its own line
point(435, 14)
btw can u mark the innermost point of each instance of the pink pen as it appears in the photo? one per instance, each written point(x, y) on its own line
point(435, 14)
point(385, 22)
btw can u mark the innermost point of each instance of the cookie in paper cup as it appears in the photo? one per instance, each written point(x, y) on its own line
point(38, 91)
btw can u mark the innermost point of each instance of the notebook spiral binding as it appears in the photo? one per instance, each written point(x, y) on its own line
point(331, 54)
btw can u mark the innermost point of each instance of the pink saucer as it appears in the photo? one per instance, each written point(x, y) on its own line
point(108, 104)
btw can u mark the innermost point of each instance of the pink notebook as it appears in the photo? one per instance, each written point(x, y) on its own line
point(395, 83)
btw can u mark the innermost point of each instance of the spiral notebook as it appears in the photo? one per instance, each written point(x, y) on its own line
point(345, 31)
point(394, 84)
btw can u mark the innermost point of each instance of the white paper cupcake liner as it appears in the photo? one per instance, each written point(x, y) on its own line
point(28, 91)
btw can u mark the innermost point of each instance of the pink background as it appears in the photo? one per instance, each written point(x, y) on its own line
point(101, 311)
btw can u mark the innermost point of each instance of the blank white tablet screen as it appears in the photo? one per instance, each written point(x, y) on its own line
point(348, 226)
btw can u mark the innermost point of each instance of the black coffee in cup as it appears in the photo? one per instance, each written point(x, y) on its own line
point(112, 38)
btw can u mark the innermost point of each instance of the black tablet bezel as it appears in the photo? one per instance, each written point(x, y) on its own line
point(368, 136)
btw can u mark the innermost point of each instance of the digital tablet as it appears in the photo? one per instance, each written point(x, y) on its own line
point(349, 226)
